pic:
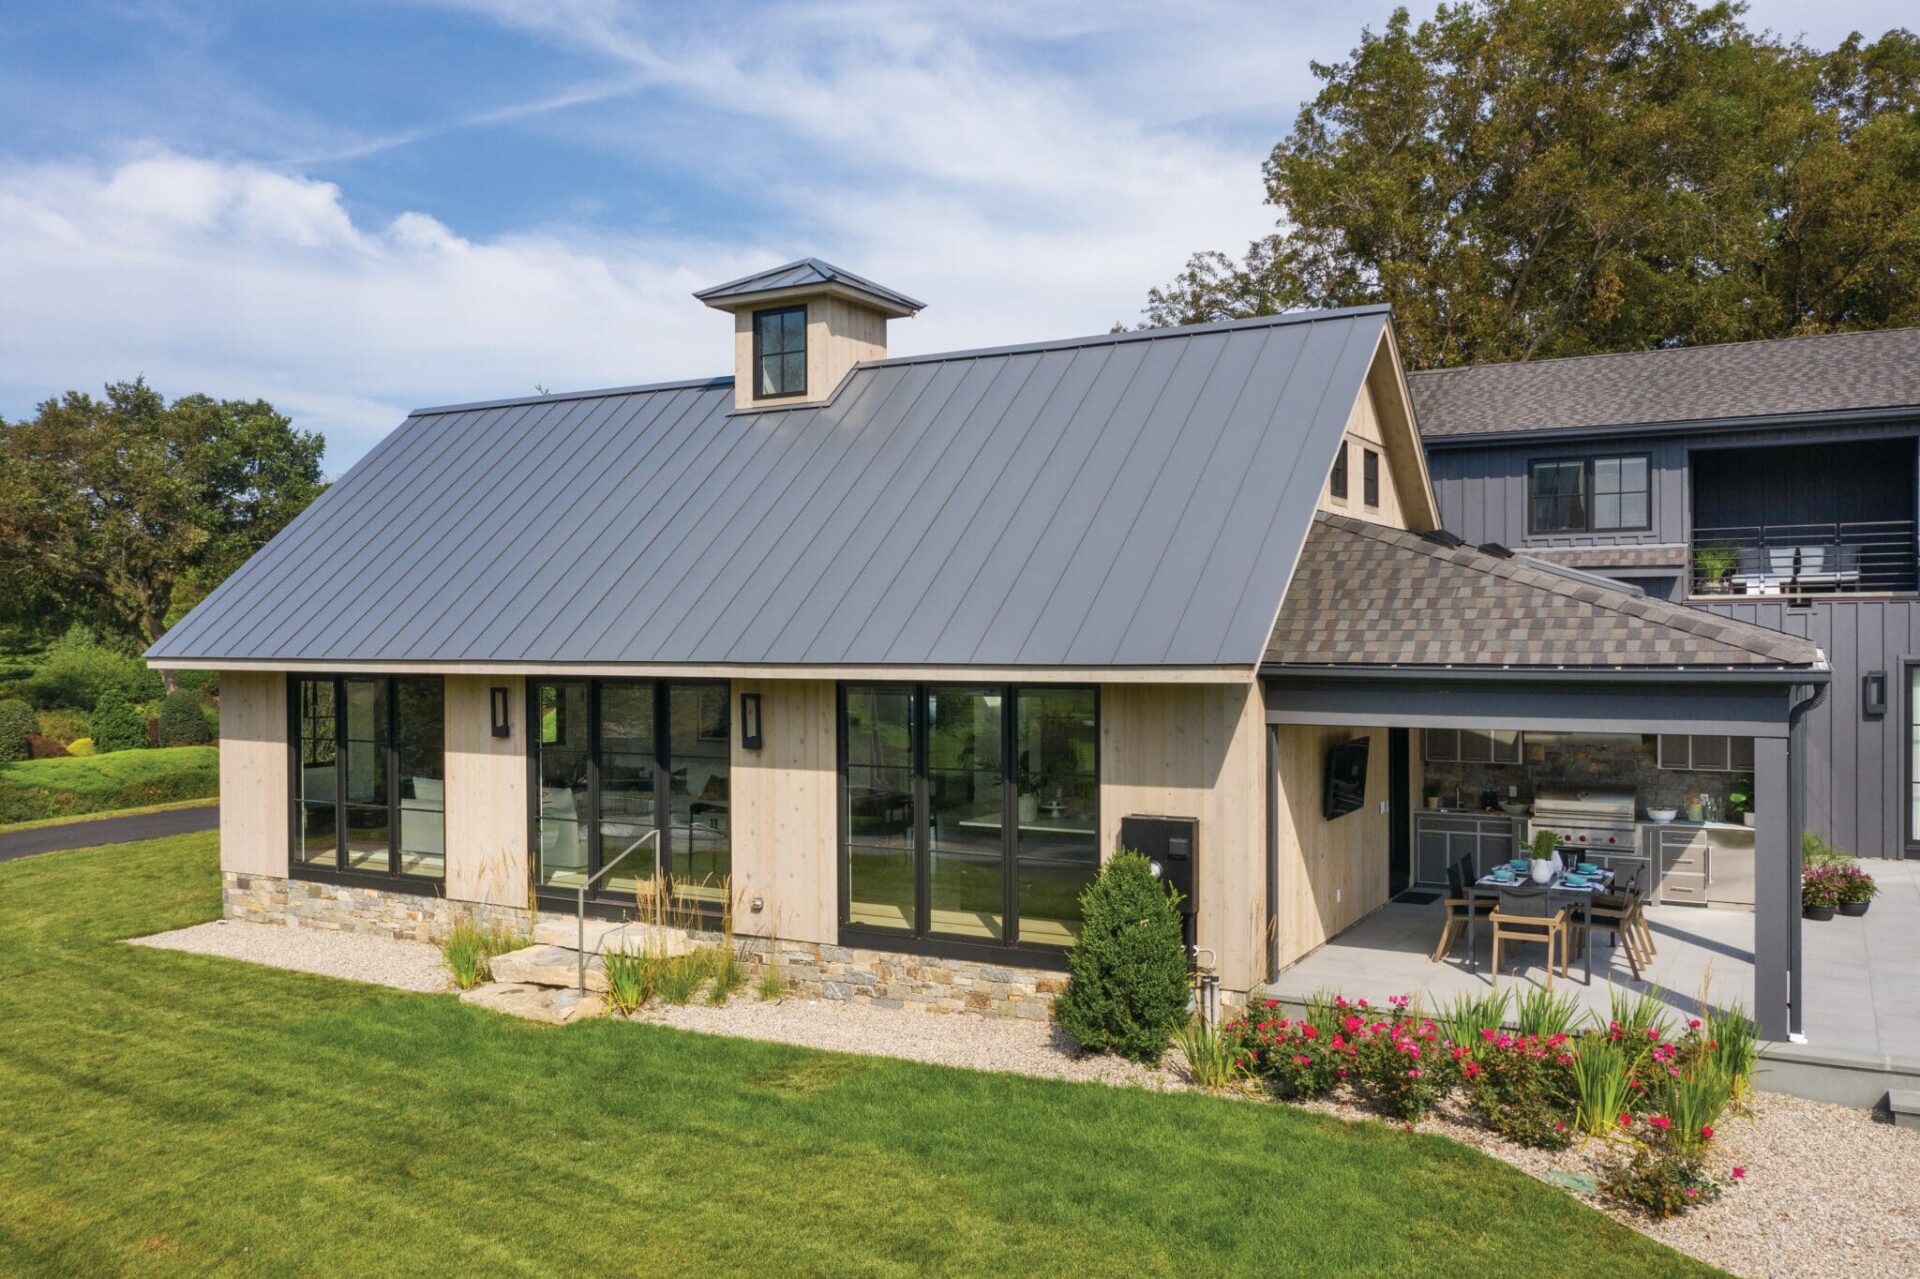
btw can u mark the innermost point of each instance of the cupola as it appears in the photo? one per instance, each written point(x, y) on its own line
point(798, 329)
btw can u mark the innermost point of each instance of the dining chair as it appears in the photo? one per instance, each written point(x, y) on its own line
point(1459, 908)
point(1624, 914)
point(1529, 915)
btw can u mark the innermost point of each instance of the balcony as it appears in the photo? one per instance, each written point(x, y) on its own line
point(1850, 557)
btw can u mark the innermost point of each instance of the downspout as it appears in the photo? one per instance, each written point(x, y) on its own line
point(1796, 823)
point(1273, 852)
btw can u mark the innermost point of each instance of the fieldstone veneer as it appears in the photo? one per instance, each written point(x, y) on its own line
point(882, 979)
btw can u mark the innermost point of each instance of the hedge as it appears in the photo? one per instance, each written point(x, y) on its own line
point(32, 789)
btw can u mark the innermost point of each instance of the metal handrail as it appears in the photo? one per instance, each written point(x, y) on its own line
point(580, 916)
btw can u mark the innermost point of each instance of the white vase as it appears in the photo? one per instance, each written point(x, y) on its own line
point(1029, 808)
point(1541, 870)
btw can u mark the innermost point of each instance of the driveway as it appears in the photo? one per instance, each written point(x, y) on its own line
point(108, 830)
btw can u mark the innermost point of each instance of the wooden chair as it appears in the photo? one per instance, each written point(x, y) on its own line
point(1528, 915)
point(1625, 914)
point(1459, 907)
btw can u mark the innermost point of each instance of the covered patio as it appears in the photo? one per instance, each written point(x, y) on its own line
point(1388, 635)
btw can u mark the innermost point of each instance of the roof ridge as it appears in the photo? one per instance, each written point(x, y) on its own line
point(1658, 350)
point(1644, 607)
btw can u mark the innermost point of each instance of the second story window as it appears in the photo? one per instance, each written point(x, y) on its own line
point(1588, 495)
point(1337, 482)
point(1370, 478)
point(780, 352)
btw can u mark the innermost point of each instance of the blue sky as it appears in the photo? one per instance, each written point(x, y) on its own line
point(357, 207)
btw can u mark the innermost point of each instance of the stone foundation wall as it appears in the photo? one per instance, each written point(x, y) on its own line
point(918, 983)
point(305, 903)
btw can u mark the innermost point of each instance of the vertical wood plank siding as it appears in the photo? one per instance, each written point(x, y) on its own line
point(486, 792)
point(255, 817)
point(1331, 873)
point(784, 826)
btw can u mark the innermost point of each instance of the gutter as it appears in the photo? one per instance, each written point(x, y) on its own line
point(1796, 675)
point(1691, 426)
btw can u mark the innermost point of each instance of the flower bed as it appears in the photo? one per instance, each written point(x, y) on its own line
point(1651, 1095)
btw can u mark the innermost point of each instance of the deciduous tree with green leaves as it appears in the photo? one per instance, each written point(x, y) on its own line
point(120, 511)
point(1534, 178)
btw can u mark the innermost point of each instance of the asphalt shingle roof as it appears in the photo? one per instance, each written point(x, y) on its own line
point(1129, 499)
point(1833, 372)
point(1366, 594)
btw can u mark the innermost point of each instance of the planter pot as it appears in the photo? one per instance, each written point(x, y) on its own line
point(1029, 808)
point(1817, 912)
point(1542, 870)
point(1855, 909)
point(1746, 819)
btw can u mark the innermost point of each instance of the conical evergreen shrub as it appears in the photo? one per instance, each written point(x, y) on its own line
point(182, 720)
point(1127, 990)
point(115, 724)
point(16, 721)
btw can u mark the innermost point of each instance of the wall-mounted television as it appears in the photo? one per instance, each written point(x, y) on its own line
point(1346, 782)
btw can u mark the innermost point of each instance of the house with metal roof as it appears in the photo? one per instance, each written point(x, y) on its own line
point(878, 658)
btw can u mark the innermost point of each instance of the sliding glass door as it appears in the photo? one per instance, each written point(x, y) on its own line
point(369, 782)
point(618, 760)
point(969, 813)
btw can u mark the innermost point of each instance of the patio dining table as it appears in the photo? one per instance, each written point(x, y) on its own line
point(1558, 891)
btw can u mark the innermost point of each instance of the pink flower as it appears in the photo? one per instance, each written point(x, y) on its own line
point(1695, 1023)
point(1471, 1070)
point(1559, 1127)
point(1660, 1121)
point(1626, 1121)
point(1340, 1073)
point(1303, 1061)
point(1273, 1003)
point(1692, 1193)
point(1309, 1032)
point(1415, 1073)
point(1706, 1132)
point(1738, 1173)
point(1653, 1032)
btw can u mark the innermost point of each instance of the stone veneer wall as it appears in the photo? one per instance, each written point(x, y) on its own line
point(306, 903)
point(1571, 761)
point(881, 979)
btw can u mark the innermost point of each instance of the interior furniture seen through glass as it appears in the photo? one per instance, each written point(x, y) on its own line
point(369, 793)
point(620, 759)
point(970, 812)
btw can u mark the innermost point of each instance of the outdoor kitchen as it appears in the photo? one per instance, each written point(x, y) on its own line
point(1675, 809)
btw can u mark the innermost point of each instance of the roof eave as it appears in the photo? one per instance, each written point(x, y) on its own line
point(1689, 426)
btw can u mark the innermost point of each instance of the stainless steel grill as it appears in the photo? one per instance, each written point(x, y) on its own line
point(1600, 820)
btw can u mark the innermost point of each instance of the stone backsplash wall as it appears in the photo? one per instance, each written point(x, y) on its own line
point(1576, 761)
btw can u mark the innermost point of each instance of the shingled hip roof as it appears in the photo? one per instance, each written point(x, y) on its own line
point(1364, 594)
point(1127, 500)
point(1783, 377)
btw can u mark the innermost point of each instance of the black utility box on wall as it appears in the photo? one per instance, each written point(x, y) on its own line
point(1170, 843)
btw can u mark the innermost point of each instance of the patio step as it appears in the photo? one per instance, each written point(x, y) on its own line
point(535, 1003)
point(1904, 1106)
point(609, 934)
point(549, 966)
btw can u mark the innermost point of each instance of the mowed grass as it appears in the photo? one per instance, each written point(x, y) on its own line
point(163, 1113)
point(32, 789)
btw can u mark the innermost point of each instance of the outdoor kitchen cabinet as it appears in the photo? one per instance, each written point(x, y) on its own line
point(1441, 839)
point(1470, 746)
point(1699, 864)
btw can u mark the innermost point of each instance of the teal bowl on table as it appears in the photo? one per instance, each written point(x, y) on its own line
point(1518, 863)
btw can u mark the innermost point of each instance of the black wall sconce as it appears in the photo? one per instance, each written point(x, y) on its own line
point(502, 727)
point(750, 721)
point(1873, 694)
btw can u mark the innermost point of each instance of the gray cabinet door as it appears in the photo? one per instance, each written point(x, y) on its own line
point(1431, 856)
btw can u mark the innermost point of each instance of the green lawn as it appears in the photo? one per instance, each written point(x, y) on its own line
point(38, 788)
point(164, 1113)
point(41, 822)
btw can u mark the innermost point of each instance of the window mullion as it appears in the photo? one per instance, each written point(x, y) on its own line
point(392, 765)
point(1009, 818)
point(662, 788)
point(922, 815)
point(594, 851)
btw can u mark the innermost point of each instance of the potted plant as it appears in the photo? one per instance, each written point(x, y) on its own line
point(1856, 888)
point(1740, 798)
point(1543, 864)
point(1432, 792)
point(1713, 565)
point(1820, 892)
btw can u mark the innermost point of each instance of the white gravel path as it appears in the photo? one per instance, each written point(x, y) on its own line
point(1829, 1192)
point(404, 965)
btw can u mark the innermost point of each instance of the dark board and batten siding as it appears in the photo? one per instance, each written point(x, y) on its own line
point(1857, 791)
point(1483, 491)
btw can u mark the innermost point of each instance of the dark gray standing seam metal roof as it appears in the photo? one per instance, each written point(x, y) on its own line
point(1369, 595)
point(807, 271)
point(1826, 373)
point(1127, 500)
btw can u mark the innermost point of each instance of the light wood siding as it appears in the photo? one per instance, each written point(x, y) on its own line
point(785, 837)
point(1379, 421)
point(1331, 873)
point(1183, 751)
point(840, 334)
point(255, 787)
point(486, 793)
point(1363, 433)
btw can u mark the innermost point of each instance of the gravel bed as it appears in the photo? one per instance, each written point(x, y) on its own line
point(404, 965)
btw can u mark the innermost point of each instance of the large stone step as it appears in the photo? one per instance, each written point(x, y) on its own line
point(608, 934)
point(535, 1003)
point(552, 966)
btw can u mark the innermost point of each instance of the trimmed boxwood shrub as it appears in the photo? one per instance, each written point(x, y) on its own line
point(116, 725)
point(183, 720)
point(102, 783)
point(16, 721)
point(1127, 989)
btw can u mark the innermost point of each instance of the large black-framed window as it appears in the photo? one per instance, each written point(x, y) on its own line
point(369, 777)
point(615, 760)
point(779, 352)
point(1611, 494)
point(969, 813)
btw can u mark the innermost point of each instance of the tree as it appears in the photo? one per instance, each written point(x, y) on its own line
point(118, 511)
point(1127, 985)
point(183, 720)
point(1532, 178)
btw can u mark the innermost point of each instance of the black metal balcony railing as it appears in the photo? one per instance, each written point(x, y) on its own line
point(1805, 559)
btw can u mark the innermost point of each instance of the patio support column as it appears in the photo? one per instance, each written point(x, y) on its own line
point(1776, 889)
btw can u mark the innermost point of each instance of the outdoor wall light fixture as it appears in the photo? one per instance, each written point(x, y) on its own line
point(1873, 694)
point(501, 726)
point(750, 721)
